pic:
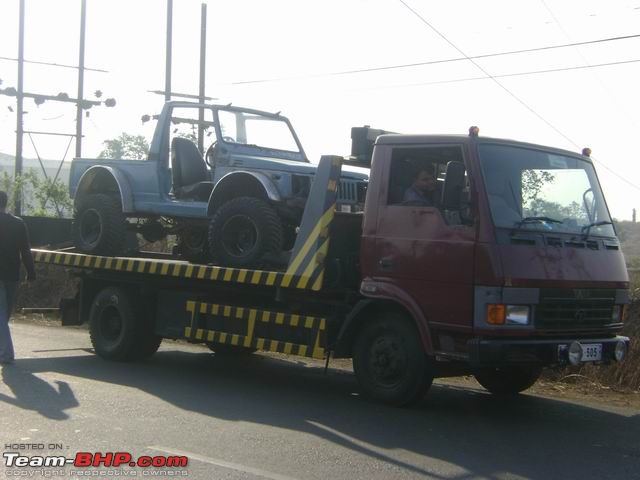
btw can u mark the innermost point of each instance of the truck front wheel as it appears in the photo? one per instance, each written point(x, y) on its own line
point(116, 332)
point(99, 226)
point(389, 361)
point(507, 380)
point(245, 232)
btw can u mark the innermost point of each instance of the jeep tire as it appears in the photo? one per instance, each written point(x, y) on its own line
point(245, 232)
point(99, 225)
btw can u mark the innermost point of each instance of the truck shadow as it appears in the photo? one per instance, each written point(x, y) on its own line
point(530, 436)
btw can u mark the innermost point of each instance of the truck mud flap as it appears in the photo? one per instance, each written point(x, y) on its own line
point(266, 330)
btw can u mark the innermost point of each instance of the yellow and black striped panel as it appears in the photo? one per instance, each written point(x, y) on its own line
point(250, 320)
point(306, 266)
point(172, 268)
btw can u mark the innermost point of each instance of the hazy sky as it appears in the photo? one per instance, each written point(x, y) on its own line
point(299, 46)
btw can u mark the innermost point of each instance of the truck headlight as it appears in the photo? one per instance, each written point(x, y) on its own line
point(499, 314)
point(518, 315)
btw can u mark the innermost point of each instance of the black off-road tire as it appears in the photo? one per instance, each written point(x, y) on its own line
point(245, 232)
point(189, 249)
point(117, 330)
point(507, 380)
point(389, 361)
point(99, 225)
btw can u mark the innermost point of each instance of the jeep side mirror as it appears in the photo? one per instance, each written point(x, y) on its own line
point(453, 185)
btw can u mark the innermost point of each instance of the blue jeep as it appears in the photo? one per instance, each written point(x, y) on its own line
point(239, 204)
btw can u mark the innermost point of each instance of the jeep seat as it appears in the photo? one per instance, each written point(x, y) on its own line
point(191, 180)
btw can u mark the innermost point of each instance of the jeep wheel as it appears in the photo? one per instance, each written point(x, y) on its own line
point(192, 244)
point(245, 232)
point(99, 226)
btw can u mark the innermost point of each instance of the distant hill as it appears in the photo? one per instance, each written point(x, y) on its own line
point(8, 162)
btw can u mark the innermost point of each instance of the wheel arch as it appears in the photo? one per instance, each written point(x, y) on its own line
point(103, 179)
point(366, 308)
point(242, 184)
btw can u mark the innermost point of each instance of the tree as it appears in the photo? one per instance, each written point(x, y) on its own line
point(127, 146)
point(41, 197)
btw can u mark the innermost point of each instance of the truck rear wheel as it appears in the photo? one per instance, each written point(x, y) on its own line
point(245, 232)
point(507, 380)
point(99, 226)
point(389, 361)
point(116, 331)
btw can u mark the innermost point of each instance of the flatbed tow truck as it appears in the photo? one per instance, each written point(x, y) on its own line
point(514, 266)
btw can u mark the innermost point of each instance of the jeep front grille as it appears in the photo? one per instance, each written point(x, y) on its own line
point(351, 191)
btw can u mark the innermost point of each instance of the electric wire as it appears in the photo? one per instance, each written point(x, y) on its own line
point(434, 62)
point(511, 94)
point(515, 74)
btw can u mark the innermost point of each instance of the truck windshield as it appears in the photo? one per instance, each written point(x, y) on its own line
point(257, 130)
point(537, 190)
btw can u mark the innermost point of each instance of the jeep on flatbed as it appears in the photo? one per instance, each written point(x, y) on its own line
point(238, 205)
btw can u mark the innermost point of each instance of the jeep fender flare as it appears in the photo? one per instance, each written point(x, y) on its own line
point(250, 184)
point(381, 296)
point(103, 179)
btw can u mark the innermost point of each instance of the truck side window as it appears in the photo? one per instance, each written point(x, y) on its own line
point(417, 175)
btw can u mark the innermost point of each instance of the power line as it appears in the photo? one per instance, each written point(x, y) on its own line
point(435, 62)
point(516, 74)
point(510, 93)
point(53, 64)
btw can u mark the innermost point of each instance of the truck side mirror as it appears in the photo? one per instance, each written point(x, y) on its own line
point(453, 185)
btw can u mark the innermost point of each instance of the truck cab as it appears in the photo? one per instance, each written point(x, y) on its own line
point(515, 263)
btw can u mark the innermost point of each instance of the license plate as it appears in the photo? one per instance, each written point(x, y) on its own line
point(591, 352)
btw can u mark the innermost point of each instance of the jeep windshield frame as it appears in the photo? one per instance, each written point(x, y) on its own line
point(543, 190)
point(246, 131)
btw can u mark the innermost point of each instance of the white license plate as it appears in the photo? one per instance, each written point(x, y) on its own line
point(591, 352)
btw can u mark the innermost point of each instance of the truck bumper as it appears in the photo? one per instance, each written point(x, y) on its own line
point(499, 352)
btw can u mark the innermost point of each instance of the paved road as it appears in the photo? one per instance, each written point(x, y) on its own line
point(268, 417)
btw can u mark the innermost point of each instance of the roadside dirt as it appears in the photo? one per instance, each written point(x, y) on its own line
point(570, 387)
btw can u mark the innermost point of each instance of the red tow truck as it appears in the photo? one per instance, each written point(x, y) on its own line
point(511, 265)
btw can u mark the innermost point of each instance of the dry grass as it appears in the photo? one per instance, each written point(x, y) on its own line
point(53, 284)
point(622, 376)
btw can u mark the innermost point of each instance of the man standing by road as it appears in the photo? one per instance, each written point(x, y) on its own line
point(14, 245)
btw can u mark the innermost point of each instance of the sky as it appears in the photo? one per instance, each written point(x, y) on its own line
point(291, 55)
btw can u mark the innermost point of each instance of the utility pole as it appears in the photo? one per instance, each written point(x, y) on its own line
point(40, 98)
point(79, 106)
point(167, 77)
point(203, 52)
point(20, 111)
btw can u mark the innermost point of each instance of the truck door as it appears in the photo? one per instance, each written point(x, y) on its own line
point(426, 250)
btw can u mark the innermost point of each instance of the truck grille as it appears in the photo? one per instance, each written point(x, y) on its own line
point(351, 191)
point(573, 309)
